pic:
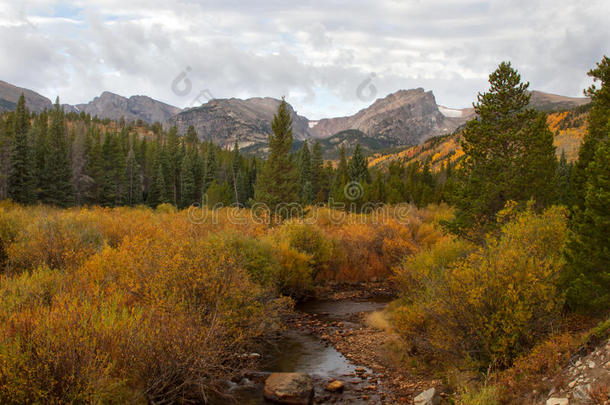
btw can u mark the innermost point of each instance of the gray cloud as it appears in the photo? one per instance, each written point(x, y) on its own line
point(316, 53)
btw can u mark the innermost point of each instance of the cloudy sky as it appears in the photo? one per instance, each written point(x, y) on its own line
point(328, 57)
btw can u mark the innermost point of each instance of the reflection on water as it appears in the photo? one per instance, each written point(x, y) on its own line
point(339, 310)
point(299, 352)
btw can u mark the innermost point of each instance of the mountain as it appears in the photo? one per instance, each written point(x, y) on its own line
point(552, 102)
point(9, 95)
point(568, 126)
point(249, 121)
point(113, 106)
point(406, 117)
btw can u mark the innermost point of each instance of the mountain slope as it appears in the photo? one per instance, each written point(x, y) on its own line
point(9, 95)
point(569, 128)
point(406, 117)
point(113, 106)
point(552, 102)
point(248, 121)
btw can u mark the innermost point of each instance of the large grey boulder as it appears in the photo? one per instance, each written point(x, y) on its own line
point(289, 388)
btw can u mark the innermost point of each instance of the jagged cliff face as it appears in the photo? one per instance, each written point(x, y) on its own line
point(248, 121)
point(113, 106)
point(9, 95)
point(407, 117)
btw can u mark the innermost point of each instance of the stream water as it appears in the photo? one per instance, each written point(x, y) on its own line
point(299, 351)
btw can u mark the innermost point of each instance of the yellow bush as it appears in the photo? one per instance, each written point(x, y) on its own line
point(494, 303)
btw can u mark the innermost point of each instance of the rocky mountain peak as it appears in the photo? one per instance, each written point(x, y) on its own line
point(113, 106)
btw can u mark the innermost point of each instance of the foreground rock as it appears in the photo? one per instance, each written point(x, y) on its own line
point(428, 397)
point(557, 401)
point(585, 380)
point(289, 388)
point(335, 386)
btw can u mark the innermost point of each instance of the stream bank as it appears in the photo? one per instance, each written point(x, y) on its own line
point(329, 339)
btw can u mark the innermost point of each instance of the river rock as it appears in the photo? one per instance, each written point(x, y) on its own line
point(557, 401)
point(289, 388)
point(428, 397)
point(335, 386)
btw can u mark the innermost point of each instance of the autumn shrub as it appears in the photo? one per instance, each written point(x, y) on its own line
point(308, 239)
point(161, 315)
point(294, 276)
point(492, 304)
point(529, 370)
point(258, 258)
point(53, 238)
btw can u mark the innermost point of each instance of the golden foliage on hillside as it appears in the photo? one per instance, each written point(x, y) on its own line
point(569, 128)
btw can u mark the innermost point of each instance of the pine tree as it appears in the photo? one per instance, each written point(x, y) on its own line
point(187, 180)
point(587, 279)
point(357, 167)
point(509, 155)
point(191, 136)
point(95, 165)
point(133, 178)
point(588, 253)
point(210, 166)
point(278, 183)
point(41, 153)
point(599, 122)
point(6, 147)
point(21, 180)
point(174, 159)
point(317, 167)
point(564, 170)
point(235, 178)
point(158, 189)
point(305, 180)
point(57, 176)
point(341, 177)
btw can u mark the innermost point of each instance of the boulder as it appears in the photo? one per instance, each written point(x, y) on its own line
point(289, 388)
point(428, 397)
point(557, 401)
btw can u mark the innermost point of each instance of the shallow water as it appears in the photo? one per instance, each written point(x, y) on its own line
point(299, 351)
point(341, 310)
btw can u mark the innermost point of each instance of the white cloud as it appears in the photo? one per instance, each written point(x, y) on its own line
point(316, 53)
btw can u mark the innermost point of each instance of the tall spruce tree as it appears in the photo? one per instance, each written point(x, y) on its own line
point(210, 166)
point(188, 181)
point(587, 278)
point(236, 179)
point(564, 170)
point(277, 182)
point(588, 253)
point(317, 167)
point(509, 155)
point(21, 180)
point(305, 178)
point(599, 122)
point(358, 167)
point(57, 184)
point(133, 178)
point(6, 147)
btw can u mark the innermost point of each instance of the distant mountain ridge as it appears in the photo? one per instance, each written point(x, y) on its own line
point(224, 121)
point(406, 117)
point(114, 106)
point(403, 118)
point(9, 95)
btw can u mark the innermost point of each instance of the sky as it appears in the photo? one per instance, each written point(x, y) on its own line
point(327, 57)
